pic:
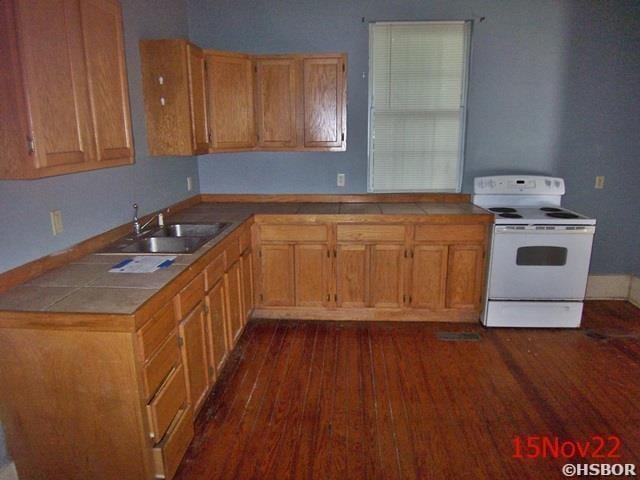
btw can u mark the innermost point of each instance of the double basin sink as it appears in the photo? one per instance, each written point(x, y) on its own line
point(170, 238)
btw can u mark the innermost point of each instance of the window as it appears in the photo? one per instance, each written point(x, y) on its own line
point(417, 93)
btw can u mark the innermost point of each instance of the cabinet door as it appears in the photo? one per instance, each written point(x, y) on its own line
point(53, 60)
point(107, 74)
point(277, 275)
point(233, 286)
point(218, 326)
point(352, 275)
point(198, 99)
point(311, 275)
point(428, 276)
point(324, 102)
point(193, 332)
point(276, 101)
point(246, 262)
point(387, 274)
point(464, 276)
point(230, 82)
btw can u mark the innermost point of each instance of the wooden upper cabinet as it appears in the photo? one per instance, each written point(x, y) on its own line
point(175, 98)
point(231, 107)
point(277, 101)
point(108, 90)
point(64, 102)
point(324, 93)
point(198, 99)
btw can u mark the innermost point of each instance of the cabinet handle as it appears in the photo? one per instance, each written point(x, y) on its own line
point(335, 253)
point(328, 297)
point(406, 253)
point(404, 298)
point(328, 253)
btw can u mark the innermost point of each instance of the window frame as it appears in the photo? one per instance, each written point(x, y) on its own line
point(468, 27)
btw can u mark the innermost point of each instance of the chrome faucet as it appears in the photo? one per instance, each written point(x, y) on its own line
point(139, 229)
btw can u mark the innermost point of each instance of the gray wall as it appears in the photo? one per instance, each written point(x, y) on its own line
point(96, 201)
point(547, 79)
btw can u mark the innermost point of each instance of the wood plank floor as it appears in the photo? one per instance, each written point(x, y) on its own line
point(393, 401)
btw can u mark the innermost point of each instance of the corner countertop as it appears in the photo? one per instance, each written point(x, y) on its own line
point(86, 285)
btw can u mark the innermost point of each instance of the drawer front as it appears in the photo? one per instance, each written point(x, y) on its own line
point(215, 270)
point(168, 454)
point(190, 296)
point(293, 233)
point(371, 233)
point(160, 365)
point(450, 233)
point(171, 396)
point(155, 331)
point(232, 247)
point(245, 239)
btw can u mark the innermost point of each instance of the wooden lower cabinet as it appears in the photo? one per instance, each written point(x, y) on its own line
point(193, 341)
point(428, 276)
point(370, 271)
point(277, 273)
point(352, 268)
point(386, 281)
point(216, 299)
point(464, 276)
point(312, 263)
point(233, 286)
point(246, 268)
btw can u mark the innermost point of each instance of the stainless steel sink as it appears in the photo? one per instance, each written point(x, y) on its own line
point(190, 230)
point(164, 245)
point(171, 238)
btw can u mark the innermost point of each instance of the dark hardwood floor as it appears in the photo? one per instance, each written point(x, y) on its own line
point(355, 401)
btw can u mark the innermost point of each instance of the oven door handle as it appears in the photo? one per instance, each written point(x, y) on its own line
point(546, 230)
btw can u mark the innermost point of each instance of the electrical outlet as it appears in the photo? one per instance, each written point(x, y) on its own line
point(341, 179)
point(189, 184)
point(599, 182)
point(56, 222)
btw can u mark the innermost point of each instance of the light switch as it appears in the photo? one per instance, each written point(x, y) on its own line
point(599, 182)
point(56, 222)
point(341, 179)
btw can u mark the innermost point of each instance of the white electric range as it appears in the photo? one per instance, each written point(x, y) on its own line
point(540, 253)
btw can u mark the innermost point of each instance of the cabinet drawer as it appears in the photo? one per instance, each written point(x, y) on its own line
point(293, 233)
point(155, 331)
point(215, 270)
point(245, 239)
point(450, 233)
point(190, 296)
point(160, 365)
point(371, 233)
point(168, 454)
point(170, 397)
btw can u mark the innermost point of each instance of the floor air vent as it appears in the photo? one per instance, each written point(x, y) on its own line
point(458, 336)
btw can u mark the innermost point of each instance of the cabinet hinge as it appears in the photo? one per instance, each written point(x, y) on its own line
point(260, 253)
point(404, 298)
point(255, 68)
point(335, 252)
point(328, 253)
point(261, 297)
point(343, 67)
point(31, 144)
point(180, 341)
point(209, 137)
point(328, 297)
point(335, 297)
point(406, 253)
point(411, 252)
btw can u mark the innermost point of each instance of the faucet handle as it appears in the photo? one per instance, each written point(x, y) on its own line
point(135, 210)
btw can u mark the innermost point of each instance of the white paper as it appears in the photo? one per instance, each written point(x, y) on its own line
point(143, 264)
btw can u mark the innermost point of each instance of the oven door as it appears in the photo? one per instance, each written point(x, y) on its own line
point(540, 262)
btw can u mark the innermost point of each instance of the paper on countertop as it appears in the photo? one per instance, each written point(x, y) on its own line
point(143, 264)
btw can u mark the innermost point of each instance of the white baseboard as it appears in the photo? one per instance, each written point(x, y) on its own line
point(608, 287)
point(8, 472)
point(634, 291)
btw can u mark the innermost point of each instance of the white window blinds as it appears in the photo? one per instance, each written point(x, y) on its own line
point(417, 89)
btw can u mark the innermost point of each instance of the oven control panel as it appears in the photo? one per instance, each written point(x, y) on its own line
point(518, 184)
